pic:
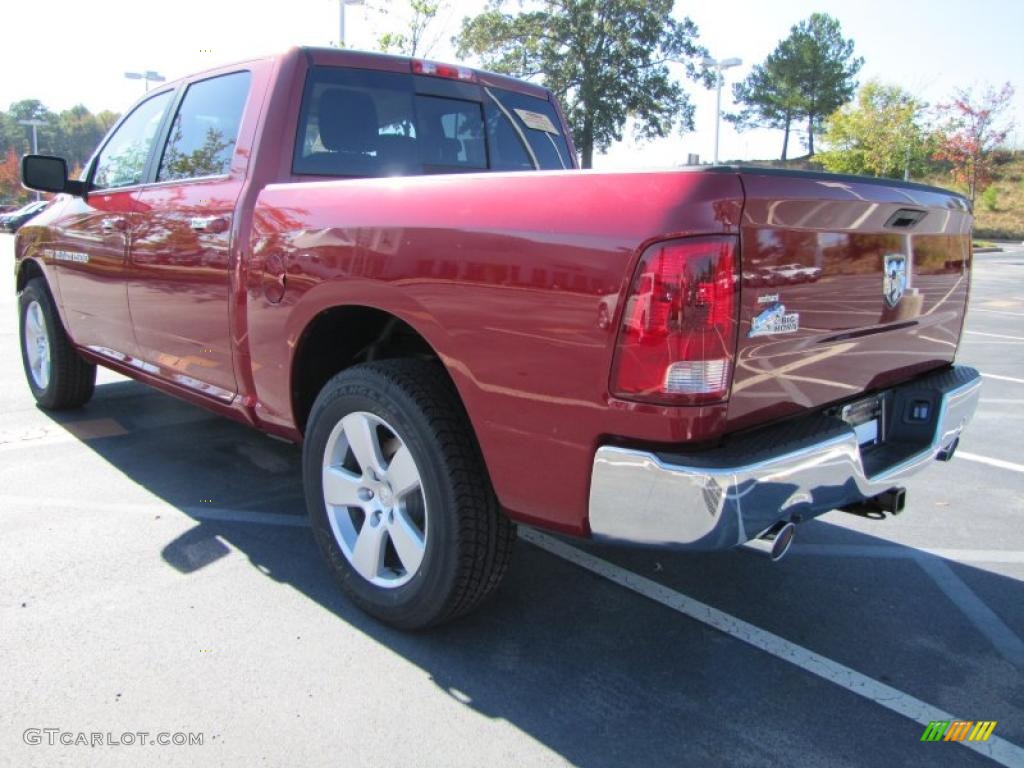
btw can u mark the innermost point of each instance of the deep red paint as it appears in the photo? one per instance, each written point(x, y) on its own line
point(849, 340)
point(516, 280)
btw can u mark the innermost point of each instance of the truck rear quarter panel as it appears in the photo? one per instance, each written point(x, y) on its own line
point(515, 280)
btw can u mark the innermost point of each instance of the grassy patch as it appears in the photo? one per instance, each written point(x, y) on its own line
point(999, 210)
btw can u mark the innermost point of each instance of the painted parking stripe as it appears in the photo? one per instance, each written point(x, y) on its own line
point(996, 748)
point(1000, 463)
point(997, 312)
point(1003, 378)
point(933, 562)
point(995, 335)
point(984, 619)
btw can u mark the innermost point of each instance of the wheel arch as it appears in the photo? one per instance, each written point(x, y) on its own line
point(344, 335)
point(28, 269)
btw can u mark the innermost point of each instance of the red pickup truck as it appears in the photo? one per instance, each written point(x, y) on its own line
point(399, 264)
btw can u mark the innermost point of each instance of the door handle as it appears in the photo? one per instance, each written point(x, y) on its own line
point(215, 224)
point(113, 225)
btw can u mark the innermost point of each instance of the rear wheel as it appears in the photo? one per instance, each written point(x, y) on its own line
point(57, 375)
point(398, 495)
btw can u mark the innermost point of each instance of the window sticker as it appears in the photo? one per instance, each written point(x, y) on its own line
point(537, 121)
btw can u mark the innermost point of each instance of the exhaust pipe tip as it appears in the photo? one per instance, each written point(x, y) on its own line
point(774, 542)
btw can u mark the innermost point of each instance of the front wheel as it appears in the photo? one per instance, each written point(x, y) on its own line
point(57, 375)
point(398, 495)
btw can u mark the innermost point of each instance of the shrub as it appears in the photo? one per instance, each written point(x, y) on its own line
point(990, 198)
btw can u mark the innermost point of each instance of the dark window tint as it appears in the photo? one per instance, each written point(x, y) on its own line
point(451, 133)
point(368, 123)
point(122, 162)
point(203, 134)
point(524, 132)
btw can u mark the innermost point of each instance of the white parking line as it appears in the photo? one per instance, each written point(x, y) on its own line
point(991, 462)
point(932, 561)
point(984, 619)
point(997, 312)
point(1003, 378)
point(998, 749)
point(994, 335)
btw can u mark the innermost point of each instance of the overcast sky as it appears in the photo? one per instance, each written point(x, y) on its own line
point(65, 52)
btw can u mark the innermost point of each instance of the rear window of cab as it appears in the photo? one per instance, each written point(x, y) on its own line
point(365, 123)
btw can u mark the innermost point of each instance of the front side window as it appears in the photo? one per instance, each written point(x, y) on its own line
point(368, 123)
point(203, 134)
point(122, 162)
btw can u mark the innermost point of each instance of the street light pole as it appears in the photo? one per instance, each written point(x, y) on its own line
point(35, 141)
point(341, 19)
point(719, 65)
point(149, 76)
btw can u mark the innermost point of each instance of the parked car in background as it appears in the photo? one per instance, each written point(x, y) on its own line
point(11, 222)
point(4, 213)
point(398, 264)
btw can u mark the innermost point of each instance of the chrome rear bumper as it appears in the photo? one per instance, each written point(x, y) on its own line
point(726, 496)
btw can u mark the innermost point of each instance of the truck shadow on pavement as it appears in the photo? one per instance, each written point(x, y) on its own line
point(599, 675)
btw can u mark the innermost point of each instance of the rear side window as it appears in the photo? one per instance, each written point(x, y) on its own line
point(524, 132)
point(204, 131)
point(369, 123)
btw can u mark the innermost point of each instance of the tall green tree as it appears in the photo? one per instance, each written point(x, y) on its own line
point(78, 133)
point(770, 99)
point(33, 109)
point(807, 77)
point(11, 134)
point(606, 60)
point(415, 38)
point(882, 134)
point(72, 134)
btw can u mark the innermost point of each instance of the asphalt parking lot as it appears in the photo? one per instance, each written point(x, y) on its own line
point(156, 575)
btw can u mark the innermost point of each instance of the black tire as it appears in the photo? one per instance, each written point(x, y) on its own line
point(469, 540)
point(71, 379)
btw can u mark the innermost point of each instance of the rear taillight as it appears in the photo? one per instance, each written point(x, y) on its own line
point(677, 340)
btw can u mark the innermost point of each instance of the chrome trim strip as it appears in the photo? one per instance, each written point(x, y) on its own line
point(637, 497)
point(210, 390)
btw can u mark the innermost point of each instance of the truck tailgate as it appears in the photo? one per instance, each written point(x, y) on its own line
point(848, 285)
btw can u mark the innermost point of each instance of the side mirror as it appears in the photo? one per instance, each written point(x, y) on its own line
point(49, 174)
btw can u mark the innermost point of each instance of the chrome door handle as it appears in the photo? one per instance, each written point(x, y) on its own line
point(110, 226)
point(214, 224)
